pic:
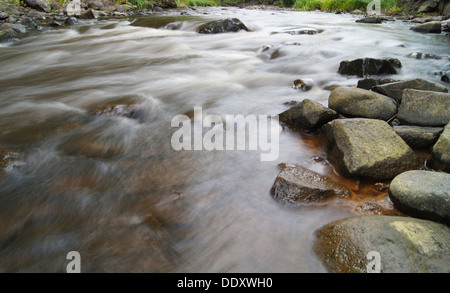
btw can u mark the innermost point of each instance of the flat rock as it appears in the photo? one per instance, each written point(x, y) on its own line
point(308, 115)
point(368, 148)
point(432, 27)
point(418, 137)
point(369, 66)
point(40, 5)
point(296, 185)
point(422, 194)
point(404, 245)
point(440, 156)
point(395, 89)
point(370, 19)
point(369, 83)
point(424, 108)
point(355, 102)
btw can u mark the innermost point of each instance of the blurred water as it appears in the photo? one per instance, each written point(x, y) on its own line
point(113, 188)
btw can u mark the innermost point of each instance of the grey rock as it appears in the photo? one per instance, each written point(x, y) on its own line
point(429, 6)
point(3, 15)
point(440, 156)
point(308, 115)
point(405, 245)
point(418, 137)
point(7, 35)
point(222, 26)
point(420, 55)
point(395, 89)
point(40, 5)
point(369, 83)
point(370, 19)
point(71, 20)
point(368, 148)
point(296, 185)
point(369, 66)
point(422, 194)
point(18, 28)
point(432, 27)
point(424, 108)
point(355, 102)
point(89, 14)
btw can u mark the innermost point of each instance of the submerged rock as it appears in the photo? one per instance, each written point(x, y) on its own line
point(308, 115)
point(422, 194)
point(368, 148)
point(9, 159)
point(419, 55)
point(404, 245)
point(418, 137)
point(395, 89)
point(369, 66)
point(222, 26)
point(370, 19)
point(440, 156)
point(424, 108)
point(123, 110)
point(296, 185)
point(354, 102)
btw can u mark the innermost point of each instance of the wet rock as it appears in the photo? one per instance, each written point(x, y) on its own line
point(89, 14)
point(377, 208)
point(40, 5)
point(369, 83)
point(123, 110)
point(355, 102)
point(440, 156)
point(370, 19)
point(7, 35)
point(418, 137)
point(368, 148)
point(54, 23)
point(424, 108)
point(18, 28)
point(308, 115)
point(4, 15)
point(222, 26)
point(304, 84)
point(305, 31)
point(419, 55)
point(432, 27)
point(296, 185)
point(395, 89)
point(422, 194)
point(446, 76)
point(9, 159)
point(405, 245)
point(71, 20)
point(369, 66)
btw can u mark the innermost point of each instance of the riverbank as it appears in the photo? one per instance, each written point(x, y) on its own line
point(18, 22)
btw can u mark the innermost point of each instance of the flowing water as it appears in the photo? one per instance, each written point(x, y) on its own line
point(112, 187)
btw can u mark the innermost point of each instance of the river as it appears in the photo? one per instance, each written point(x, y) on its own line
point(114, 189)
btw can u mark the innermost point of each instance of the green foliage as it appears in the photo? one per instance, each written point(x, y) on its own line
point(141, 3)
point(198, 2)
point(344, 5)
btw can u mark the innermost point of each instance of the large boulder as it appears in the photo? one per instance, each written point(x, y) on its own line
point(355, 102)
point(395, 89)
point(222, 26)
point(422, 194)
point(424, 108)
point(401, 244)
point(432, 27)
point(296, 185)
point(40, 5)
point(418, 137)
point(308, 115)
point(440, 156)
point(369, 66)
point(368, 148)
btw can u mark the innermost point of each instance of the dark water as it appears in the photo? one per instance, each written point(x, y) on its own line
point(113, 189)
